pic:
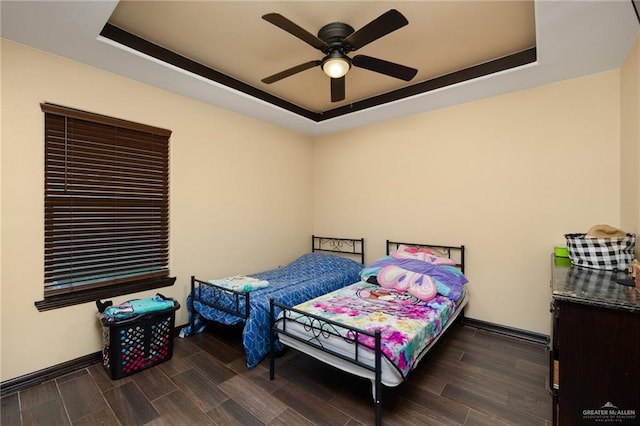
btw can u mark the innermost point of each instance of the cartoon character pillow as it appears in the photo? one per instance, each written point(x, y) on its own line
point(421, 285)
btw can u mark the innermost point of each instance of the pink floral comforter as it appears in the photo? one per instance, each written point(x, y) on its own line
point(407, 324)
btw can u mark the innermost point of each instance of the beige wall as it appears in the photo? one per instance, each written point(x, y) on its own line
point(239, 187)
point(506, 176)
point(630, 140)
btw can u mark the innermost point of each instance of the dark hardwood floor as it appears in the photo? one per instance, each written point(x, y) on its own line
point(471, 377)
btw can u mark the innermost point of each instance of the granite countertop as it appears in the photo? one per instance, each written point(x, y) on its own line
point(594, 287)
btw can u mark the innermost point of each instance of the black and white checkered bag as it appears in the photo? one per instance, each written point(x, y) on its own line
point(611, 253)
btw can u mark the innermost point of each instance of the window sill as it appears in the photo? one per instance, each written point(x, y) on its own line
point(91, 295)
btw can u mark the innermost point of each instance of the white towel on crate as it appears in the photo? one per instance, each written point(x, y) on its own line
point(241, 283)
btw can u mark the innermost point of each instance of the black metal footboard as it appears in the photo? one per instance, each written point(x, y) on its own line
point(218, 295)
point(321, 329)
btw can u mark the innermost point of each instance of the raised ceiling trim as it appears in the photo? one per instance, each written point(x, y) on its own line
point(501, 64)
point(146, 47)
point(160, 53)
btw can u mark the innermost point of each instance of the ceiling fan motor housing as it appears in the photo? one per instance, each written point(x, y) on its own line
point(334, 34)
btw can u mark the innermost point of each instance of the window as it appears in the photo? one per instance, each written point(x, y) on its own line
point(106, 207)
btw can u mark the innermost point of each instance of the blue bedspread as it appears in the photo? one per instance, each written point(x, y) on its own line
point(309, 276)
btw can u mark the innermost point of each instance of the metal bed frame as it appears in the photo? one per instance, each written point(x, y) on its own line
point(323, 328)
point(345, 246)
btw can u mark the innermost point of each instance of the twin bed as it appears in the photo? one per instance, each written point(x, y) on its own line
point(379, 333)
point(376, 321)
point(332, 263)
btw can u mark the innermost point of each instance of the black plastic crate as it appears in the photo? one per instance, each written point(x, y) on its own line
point(137, 343)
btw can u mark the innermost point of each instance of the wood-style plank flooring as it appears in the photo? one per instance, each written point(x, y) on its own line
point(472, 377)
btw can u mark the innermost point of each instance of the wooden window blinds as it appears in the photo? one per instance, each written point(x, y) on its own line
point(106, 201)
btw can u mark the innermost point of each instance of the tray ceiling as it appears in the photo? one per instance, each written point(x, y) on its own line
point(218, 51)
point(231, 37)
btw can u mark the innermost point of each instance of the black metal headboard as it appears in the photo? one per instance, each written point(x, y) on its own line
point(452, 252)
point(339, 245)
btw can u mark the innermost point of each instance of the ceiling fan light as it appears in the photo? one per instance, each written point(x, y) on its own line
point(336, 67)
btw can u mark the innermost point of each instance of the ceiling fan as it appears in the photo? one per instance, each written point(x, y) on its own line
point(337, 39)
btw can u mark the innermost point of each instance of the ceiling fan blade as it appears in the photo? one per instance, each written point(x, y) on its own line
point(291, 71)
point(381, 26)
point(384, 67)
point(292, 28)
point(337, 89)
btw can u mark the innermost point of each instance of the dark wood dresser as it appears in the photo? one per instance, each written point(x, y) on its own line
point(595, 348)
